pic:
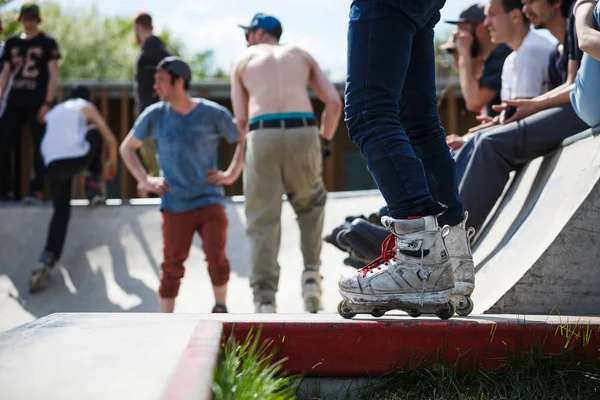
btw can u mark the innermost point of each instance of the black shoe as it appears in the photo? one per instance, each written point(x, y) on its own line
point(93, 191)
point(37, 281)
point(219, 309)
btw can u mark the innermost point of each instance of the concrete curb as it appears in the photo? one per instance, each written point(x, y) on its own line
point(331, 347)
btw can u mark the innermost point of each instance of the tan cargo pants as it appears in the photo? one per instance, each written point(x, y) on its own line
point(279, 161)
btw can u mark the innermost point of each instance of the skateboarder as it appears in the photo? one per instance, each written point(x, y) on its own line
point(284, 153)
point(72, 143)
point(391, 114)
point(187, 132)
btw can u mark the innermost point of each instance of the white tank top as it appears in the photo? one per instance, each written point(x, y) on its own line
point(66, 129)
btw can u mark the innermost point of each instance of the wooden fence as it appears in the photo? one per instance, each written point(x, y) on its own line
point(345, 169)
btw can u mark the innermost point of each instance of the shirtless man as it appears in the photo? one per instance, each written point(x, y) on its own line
point(271, 103)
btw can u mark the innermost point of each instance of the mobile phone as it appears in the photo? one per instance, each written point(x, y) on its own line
point(509, 112)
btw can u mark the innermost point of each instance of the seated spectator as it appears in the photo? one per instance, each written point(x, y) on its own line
point(525, 70)
point(480, 92)
point(585, 101)
point(537, 126)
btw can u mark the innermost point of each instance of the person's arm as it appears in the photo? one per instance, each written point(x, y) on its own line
point(527, 107)
point(52, 80)
point(128, 148)
point(6, 71)
point(239, 97)
point(475, 95)
point(226, 126)
point(327, 93)
point(233, 172)
point(92, 115)
point(587, 35)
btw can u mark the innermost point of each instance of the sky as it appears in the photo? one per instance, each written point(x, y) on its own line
point(319, 26)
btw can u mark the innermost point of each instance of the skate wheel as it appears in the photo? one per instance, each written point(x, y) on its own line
point(345, 311)
point(468, 309)
point(446, 312)
point(377, 313)
point(414, 313)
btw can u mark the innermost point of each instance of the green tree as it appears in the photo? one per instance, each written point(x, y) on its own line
point(96, 47)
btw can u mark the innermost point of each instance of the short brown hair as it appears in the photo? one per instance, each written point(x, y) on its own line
point(144, 20)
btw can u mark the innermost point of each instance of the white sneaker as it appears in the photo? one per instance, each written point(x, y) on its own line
point(413, 273)
point(458, 243)
point(311, 291)
point(265, 308)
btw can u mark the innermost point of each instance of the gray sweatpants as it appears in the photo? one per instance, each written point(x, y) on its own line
point(485, 162)
point(279, 161)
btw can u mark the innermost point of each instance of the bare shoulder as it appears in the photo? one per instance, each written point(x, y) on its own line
point(242, 60)
point(298, 51)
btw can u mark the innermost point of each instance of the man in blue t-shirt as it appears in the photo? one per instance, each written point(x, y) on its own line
point(187, 132)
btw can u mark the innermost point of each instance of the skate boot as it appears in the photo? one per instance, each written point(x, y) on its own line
point(311, 291)
point(412, 274)
point(37, 281)
point(458, 243)
point(93, 192)
point(265, 307)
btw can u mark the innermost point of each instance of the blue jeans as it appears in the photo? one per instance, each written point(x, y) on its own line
point(585, 98)
point(391, 109)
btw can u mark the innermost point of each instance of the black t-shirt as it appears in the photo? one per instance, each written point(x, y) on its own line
point(491, 76)
point(28, 59)
point(153, 51)
point(558, 64)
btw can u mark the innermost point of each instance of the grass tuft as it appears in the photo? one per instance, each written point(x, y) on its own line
point(248, 371)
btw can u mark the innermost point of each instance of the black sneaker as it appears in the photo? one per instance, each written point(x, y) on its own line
point(93, 191)
point(219, 309)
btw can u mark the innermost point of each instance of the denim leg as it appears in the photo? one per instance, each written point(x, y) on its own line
point(380, 42)
point(419, 115)
point(584, 96)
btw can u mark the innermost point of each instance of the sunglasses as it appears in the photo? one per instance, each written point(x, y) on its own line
point(247, 33)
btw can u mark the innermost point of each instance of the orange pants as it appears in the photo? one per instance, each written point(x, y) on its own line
point(178, 231)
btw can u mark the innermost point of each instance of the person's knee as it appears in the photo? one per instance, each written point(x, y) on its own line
point(365, 124)
point(315, 199)
point(170, 279)
point(219, 271)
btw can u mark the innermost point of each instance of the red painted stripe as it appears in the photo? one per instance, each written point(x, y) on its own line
point(193, 376)
point(359, 348)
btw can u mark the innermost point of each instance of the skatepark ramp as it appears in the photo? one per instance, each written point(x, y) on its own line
point(112, 255)
point(538, 252)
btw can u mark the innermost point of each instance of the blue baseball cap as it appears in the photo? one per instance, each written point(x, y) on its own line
point(264, 21)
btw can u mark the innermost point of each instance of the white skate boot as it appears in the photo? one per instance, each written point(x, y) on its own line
point(311, 291)
point(458, 243)
point(413, 273)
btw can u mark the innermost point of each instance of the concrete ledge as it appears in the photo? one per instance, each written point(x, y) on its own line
point(161, 356)
point(193, 377)
point(326, 345)
point(110, 356)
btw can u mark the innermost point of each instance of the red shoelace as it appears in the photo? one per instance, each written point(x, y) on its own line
point(388, 252)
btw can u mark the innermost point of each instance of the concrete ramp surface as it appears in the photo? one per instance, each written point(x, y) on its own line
point(112, 257)
point(539, 253)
